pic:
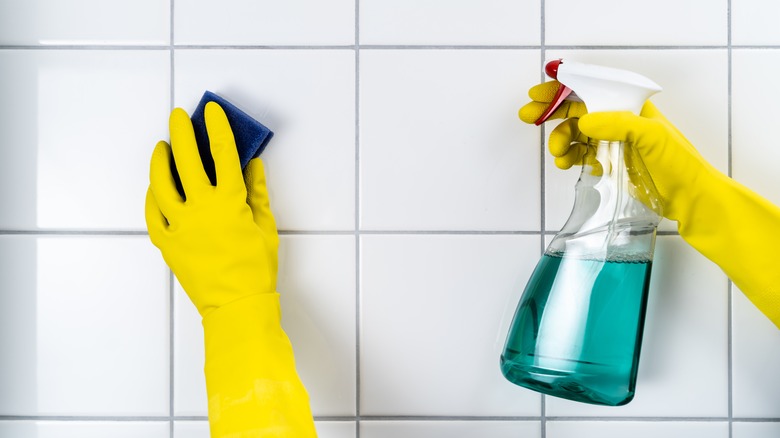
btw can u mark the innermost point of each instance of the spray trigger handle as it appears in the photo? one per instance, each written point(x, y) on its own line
point(563, 92)
point(561, 95)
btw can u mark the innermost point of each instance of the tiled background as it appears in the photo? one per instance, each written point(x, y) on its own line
point(412, 203)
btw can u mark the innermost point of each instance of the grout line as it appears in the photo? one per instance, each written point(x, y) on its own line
point(358, 266)
point(542, 135)
point(171, 341)
point(74, 232)
point(313, 233)
point(729, 70)
point(543, 212)
point(147, 418)
point(349, 47)
point(446, 47)
point(371, 47)
point(447, 418)
point(289, 232)
point(730, 292)
point(162, 418)
point(171, 282)
point(450, 232)
point(637, 47)
point(165, 418)
point(644, 419)
point(161, 47)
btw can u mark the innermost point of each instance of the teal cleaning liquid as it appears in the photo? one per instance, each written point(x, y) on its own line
point(577, 330)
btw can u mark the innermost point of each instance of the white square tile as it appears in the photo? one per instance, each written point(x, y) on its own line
point(441, 147)
point(625, 23)
point(450, 429)
point(754, 110)
point(84, 326)
point(265, 22)
point(683, 368)
point(696, 104)
point(317, 285)
point(49, 22)
point(754, 22)
point(191, 429)
point(435, 311)
point(756, 359)
point(336, 429)
point(325, 429)
point(307, 97)
point(83, 125)
point(189, 382)
point(84, 429)
point(470, 22)
point(756, 430)
point(636, 429)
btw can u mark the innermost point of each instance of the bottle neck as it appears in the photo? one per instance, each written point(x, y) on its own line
point(619, 165)
point(612, 216)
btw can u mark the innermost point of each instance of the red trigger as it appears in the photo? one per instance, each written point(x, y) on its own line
point(562, 93)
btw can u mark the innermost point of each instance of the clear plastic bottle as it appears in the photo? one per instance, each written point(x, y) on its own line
point(577, 330)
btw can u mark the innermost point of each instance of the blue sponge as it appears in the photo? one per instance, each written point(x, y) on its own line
point(251, 136)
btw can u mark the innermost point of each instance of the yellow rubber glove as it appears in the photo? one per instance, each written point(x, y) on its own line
point(719, 217)
point(222, 245)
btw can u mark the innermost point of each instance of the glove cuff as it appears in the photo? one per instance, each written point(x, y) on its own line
point(737, 229)
point(253, 387)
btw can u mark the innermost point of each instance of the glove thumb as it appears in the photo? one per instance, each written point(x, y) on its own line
point(622, 126)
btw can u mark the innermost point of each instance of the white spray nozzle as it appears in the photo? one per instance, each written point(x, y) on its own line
point(601, 88)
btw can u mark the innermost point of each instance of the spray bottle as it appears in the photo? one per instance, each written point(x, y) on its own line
point(577, 330)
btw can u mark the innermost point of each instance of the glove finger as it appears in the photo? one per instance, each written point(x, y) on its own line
point(623, 126)
point(185, 152)
point(531, 112)
point(257, 196)
point(562, 137)
point(223, 150)
point(162, 183)
point(573, 156)
point(155, 220)
point(544, 92)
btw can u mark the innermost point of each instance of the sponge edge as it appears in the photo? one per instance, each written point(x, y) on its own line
point(251, 136)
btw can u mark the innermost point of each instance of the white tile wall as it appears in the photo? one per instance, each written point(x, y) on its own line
point(449, 429)
point(264, 22)
point(84, 326)
point(68, 22)
point(422, 171)
point(754, 109)
point(412, 204)
point(756, 430)
point(756, 361)
point(84, 429)
point(633, 23)
point(754, 22)
point(637, 429)
point(73, 154)
point(435, 311)
point(467, 22)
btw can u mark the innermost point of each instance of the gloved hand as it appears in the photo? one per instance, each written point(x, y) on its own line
point(221, 242)
point(722, 219)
